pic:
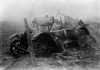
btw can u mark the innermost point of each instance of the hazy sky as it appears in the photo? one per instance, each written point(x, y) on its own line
point(15, 10)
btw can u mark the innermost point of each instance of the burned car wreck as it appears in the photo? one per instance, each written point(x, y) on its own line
point(48, 43)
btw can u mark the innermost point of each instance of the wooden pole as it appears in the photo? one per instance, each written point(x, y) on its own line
point(29, 36)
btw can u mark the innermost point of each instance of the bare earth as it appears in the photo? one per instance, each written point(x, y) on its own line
point(25, 63)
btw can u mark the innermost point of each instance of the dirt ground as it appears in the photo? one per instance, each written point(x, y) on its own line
point(26, 63)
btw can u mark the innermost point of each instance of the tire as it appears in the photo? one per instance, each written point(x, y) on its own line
point(18, 45)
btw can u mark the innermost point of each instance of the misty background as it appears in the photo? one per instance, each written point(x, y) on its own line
point(15, 10)
point(12, 12)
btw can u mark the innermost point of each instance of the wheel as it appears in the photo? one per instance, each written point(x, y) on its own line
point(18, 45)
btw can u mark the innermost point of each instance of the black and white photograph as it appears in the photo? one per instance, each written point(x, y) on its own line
point(49, 35)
